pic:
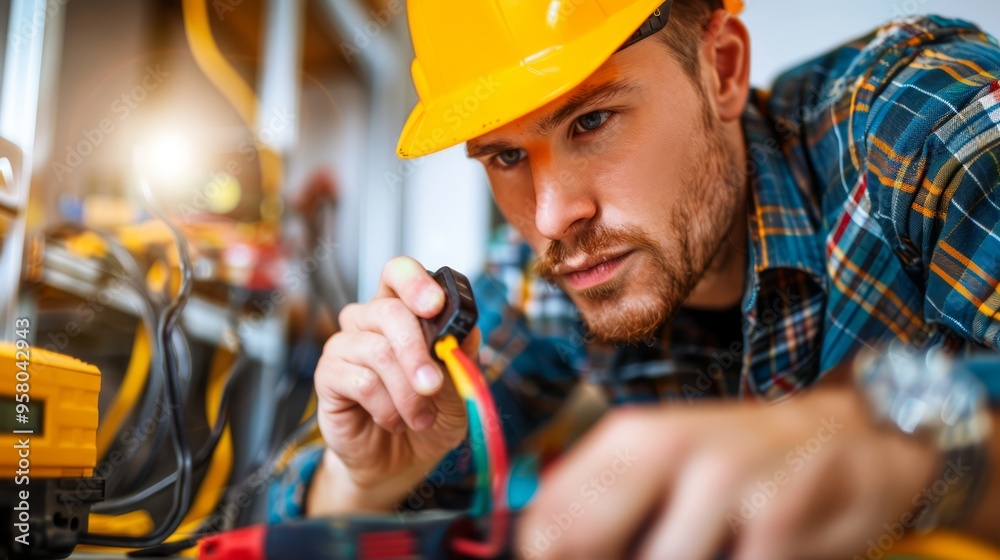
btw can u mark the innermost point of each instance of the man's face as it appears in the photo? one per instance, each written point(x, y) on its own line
point(623, 187)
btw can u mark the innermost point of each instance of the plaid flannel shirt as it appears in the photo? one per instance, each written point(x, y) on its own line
point(873, 215)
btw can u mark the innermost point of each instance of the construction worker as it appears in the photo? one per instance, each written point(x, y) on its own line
point(677, 235)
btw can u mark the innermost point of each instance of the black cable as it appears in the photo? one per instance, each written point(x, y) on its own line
point(304, 357)
point(134, 276)
point(147, 462)
point(168, 320)
point(208, 448)
point(237, 298)
point(135, 472)
point(164, 549)
point(204, 452)
point(301, 432)
point(268, 466)
point(222, 416)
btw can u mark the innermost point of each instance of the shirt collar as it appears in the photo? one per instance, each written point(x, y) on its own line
point(783, 215)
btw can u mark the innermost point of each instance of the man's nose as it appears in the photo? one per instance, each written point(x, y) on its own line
point(563, 199)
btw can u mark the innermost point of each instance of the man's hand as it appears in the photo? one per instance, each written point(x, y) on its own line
point(387, 411)
point(812, 477)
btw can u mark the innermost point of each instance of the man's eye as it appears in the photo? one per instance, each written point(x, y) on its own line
point(591, 121)
point(510, 157)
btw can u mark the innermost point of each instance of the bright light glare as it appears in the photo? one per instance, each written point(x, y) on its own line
point(169, 161)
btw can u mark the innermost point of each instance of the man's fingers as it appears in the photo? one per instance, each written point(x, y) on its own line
point(407, 279)
point(347, 385)
point(810, 510)
point(373, 352)
point(693, 525)
point(391, 318)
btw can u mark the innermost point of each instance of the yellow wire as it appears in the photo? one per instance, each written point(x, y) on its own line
point(943, 545)
point(131, 385)
point(132, 524)
point(310, 408)
point(214, 66)
point(443, 348)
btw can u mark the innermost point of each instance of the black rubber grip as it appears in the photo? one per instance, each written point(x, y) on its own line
point(459, 315)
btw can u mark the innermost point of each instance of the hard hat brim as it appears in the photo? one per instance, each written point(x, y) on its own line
point(500, 98)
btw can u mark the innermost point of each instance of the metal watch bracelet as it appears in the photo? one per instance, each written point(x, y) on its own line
point(929, 395)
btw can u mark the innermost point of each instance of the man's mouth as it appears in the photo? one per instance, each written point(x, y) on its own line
point(593, 271)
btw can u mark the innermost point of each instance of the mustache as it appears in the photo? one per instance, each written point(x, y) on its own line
point(593, 241)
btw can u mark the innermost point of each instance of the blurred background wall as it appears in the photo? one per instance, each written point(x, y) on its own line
point(787, 31)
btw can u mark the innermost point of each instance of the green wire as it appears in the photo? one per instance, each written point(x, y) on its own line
point(477, 437)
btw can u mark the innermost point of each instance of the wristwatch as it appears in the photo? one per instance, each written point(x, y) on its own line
point(931, 395)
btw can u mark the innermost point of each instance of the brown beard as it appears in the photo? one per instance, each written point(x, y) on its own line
point(698, 225)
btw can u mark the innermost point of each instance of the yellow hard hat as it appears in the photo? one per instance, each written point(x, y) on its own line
point(481, 64)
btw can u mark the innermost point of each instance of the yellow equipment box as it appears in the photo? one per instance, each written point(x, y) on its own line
point(62, 412)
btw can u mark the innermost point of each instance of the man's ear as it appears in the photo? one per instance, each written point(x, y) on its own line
point(725, 58)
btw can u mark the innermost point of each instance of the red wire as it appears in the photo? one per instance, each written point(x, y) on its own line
point(497, 450)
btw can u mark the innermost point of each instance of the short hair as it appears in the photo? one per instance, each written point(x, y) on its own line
point(684, 31)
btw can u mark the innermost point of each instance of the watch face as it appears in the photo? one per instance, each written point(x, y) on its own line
point(925, 393)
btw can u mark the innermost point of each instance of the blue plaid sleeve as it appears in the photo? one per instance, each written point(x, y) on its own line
point(896, 135)
point(287, 493)
point(932, 145)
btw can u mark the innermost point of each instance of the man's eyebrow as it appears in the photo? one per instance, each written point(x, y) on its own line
point(474, 150)
point(586, 96)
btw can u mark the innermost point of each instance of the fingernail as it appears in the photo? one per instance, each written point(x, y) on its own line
point(428, 379)
point(423, 421)
point(431, 300)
